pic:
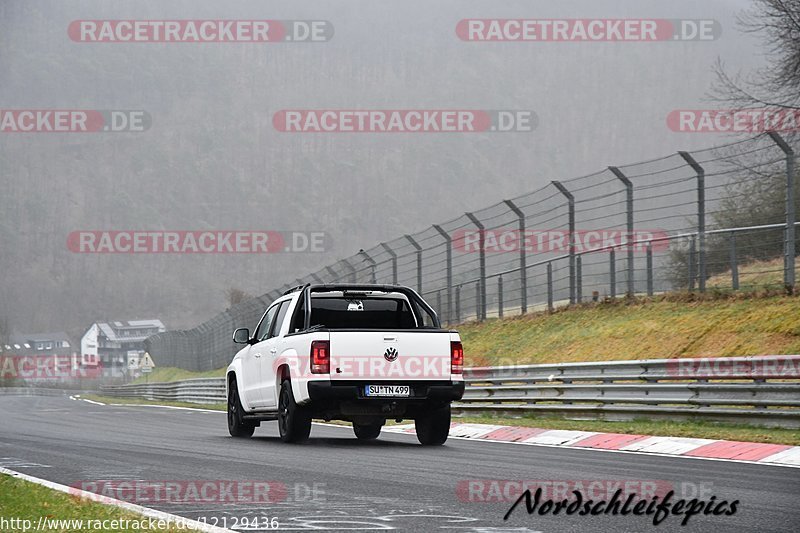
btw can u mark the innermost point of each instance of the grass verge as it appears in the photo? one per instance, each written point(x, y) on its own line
point(174, 374)
point(24, 500)
point(676, 325)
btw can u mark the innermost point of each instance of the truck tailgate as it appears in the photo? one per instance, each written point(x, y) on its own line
point(390, 356)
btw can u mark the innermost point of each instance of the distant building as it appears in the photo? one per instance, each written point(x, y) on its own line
point(57, 343)
point(115, 344)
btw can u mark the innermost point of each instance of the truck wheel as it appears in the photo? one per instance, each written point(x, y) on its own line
point(433, 428)
point(236, 426)
point(294, 422)
point(367, 431)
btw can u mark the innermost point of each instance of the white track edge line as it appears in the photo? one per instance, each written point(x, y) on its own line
point(106, 500)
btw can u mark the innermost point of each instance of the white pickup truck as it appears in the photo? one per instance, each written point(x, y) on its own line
point(359, 353)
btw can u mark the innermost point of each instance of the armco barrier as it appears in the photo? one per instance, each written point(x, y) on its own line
point(753, 390)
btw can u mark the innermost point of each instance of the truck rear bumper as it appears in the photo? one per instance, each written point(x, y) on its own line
point(320, 391)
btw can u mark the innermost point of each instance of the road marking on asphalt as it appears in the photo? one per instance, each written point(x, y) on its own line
point(676, 443)
point(132, 507)
point(13, 462)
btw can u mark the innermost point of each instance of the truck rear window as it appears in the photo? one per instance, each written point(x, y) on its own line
point(362, 313)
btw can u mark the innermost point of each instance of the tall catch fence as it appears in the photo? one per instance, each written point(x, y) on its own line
point(672, 223)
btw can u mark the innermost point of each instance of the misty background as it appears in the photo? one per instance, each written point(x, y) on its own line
point(212, 160)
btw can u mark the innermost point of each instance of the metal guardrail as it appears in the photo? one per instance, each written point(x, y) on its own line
point(200, 390)
point(754, 390)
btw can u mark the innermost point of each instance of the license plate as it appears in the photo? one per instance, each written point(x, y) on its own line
point(396, 391)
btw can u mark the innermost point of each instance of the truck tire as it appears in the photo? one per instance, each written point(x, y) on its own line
point(236, 426)
point(433, 428)
point(367, 431)
point(294, 421)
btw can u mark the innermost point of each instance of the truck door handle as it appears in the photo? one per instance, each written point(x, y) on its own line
point(273, 351)
point(258, 355)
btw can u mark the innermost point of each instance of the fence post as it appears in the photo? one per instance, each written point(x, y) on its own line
point(523, 269)
point(692, 259)
point(701, 217)
point(629, 211)
point(418, 251)
point(482, 264)
point(449, 267)
point(612, 272)
point(332, 272)
point(549, 286)
point(478, 313)
point(458, 303)
point(571, 216)
point(500, 297)
point(649, 268)
point(316, 278)
point(373, 278)
point(734, 263)
point(578, 278)
point(789, 243)
point(438, 301)
point(352, 269)
point(393, 255)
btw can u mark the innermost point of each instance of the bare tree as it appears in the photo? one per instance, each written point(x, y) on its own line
point(235, 296)
point(777, 85)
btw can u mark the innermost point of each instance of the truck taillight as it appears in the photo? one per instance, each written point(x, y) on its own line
point(320, 357)
point(456, 357)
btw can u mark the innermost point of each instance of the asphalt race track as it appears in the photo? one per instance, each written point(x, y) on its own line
point(336, 482)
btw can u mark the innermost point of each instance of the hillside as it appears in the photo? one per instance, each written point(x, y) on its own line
point(663, 327)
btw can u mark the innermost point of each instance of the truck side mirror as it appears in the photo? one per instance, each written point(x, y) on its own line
point(241, 336)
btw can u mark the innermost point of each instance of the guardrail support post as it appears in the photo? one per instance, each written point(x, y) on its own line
point(701, 217)
point(449, 267)
point(612, 272)
point(649, 268)
point(692, 259)
point(418, 251)
point(316, 279)
point(482, 259)
point(734, 263)
point(571, 223)
point(500, 297)
point(550, 287)
point(629, 211)
point(790, 232)
point(393, 255)
point(578, 279)
point(523, 269)
point(373, 278)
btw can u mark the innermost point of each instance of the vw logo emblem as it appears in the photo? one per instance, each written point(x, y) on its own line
point(390, 354)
